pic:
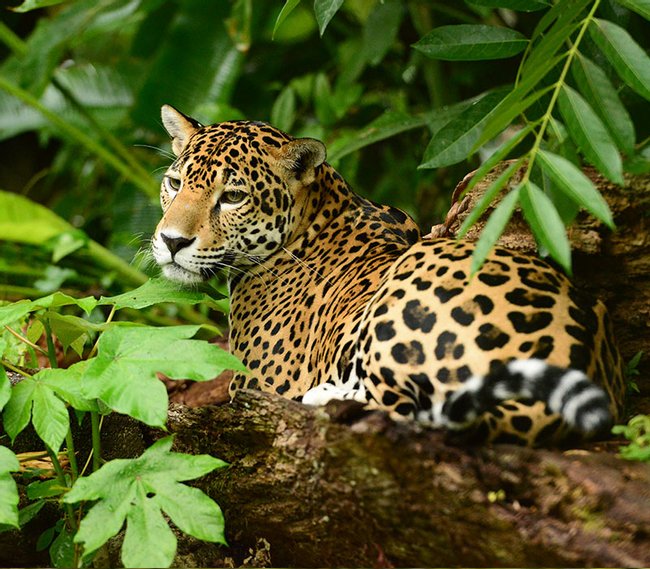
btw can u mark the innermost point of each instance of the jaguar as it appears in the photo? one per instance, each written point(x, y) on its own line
point(333, 296)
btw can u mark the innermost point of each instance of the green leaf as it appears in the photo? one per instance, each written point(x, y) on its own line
point(8, 490)
point(641, 7)
point(62, 550)
point(324, 11)
point(380, 30)
point(67, 384)
point(45, 489)
point(65, 243)
point(18, 310)
point(628, 59)
point(386, 126)
point(71, 330)
point(597, 89)
point(123, 375)
point(49, 416)
point(323, 98)
point(155, 291)
point(283, 113)
point(141, 524)
point(18, 409)
point(5, 387)
point(136, 490)
point(455, 141)
point(29, 5)
point(545, 223)
point(589, 133)
point(491, 192)
point(25, 221)
point(494, 228)
point(467, 42)
point(518, 5)
point(572, 182)
point(288, 7)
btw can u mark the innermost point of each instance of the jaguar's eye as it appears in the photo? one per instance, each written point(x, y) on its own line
point(233, 197)
point(172, 184)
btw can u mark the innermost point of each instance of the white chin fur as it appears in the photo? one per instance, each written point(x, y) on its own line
point(178, 274)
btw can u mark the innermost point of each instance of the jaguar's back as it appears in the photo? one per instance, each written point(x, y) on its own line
point(333, 296)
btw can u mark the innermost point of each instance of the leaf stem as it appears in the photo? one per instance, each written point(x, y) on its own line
point(60, 476)
point(25, 340)
point(571, 53)
point(51, 351)
point(72, 458)
point(97, 442)
point(13, 368)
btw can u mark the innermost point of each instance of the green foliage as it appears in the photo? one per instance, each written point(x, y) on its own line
point(138, 491)
point(117, 374)
point(637, 431)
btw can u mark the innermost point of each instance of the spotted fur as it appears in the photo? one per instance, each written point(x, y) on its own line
point(334, 296)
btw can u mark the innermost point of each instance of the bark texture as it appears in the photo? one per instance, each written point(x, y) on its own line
point(336, 487)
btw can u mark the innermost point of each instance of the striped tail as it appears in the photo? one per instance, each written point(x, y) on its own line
point(568, 392)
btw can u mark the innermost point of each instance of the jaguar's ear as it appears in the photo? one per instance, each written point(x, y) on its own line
point(180, 127)
point(302, 156)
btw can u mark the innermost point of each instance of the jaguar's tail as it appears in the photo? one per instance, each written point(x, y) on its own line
point(569, 392)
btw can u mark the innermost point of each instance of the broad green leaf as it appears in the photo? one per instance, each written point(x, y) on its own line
point(491, 192)
point(494, 228)
point(67, 384)
point(25, 221)
point(70, 330)
point(288, 7)
point(49, 416)
point(572, 182)
point(62, 550)
point(18, 310)
point(32, 398)
point(467, 42)
point(518, 5)
point(641, 7)
point(545, 223)
point(45, 489)
point(8, 490)
point(597, 89)
point(18, 410)
point(380, 30)
point(5, 387)
point(590, 134)
point(140, 548)
point(123, 375)
point(65, 243)
point(137, 489)
point(324, 11)
point(283, 113)
point(454, 142)
point(155, 291)
point(204, 520)
point(29, 5)
point(628, 59)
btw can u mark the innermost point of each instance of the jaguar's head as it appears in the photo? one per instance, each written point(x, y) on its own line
point(234, 195)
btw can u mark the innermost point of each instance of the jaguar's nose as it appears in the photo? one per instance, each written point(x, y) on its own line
point(175, 244)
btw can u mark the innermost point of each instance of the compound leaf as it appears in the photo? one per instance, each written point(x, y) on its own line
point(628, 59)
point(597, 89)
point(589, 133)
point(123, 375)
point(467, 42)
point(572, 182)
point(136, 490)
point(494, 228)
point(546, 223)
point(8, 490)
point(154, 291)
